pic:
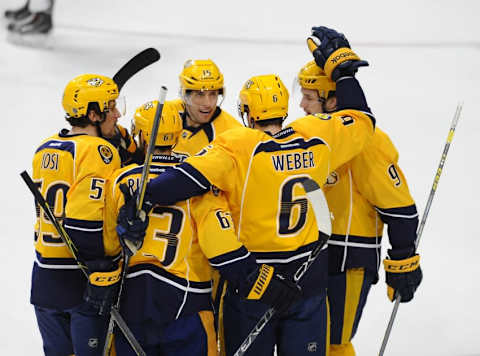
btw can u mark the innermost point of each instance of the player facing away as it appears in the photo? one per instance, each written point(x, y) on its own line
point(363, 195)
point(166, 301)
point(202, 92)
point(261, 173)
point(70, 169)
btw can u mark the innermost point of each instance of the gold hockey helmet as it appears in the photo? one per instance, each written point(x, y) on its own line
point(86, 89)
point(200, 74)
point(263, 97)
point(169, 128)
point(313, 77)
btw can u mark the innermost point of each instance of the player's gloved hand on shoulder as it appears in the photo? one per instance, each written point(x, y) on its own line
point(403, 274)
point(103, 285)
point(131, 226)
point(268, 286)
point(332, 53)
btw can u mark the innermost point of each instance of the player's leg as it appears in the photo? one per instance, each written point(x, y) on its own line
point(55, 330)
point(239, 318)
point(18, 14)
point(304, 330)
point(147, 333)
point(39, 20)
point(347, 295)
point(190, 335)
point(88, 331)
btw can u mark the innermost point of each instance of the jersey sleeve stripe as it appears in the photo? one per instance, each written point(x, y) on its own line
point(229, 258)
point(194, 175)
point(408, 212)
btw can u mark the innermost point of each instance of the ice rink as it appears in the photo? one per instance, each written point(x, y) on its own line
point(424, 59)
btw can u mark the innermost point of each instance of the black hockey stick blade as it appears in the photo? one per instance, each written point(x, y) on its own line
point(134, 65)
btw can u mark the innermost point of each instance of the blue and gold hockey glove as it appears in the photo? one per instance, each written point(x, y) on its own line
point(403, 275)
point(103, 285)
point(332, 53)
point(130, 226)
point(268, 286)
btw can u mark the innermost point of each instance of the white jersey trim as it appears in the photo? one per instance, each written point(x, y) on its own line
point(83, 228)
point(397, 215)
point(190, 176)
point(168, 281)
point(288, 260)
point(353, 244)
point(230, 261)
point(43, 265)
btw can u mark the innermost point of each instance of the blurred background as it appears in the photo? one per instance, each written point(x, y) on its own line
point(423, 59)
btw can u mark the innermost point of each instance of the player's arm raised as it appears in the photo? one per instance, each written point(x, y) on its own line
point(348, 129)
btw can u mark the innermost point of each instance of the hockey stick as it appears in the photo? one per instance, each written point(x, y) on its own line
point(134, 65)
point(74, 251)
point(451, 132)
point(141, 188)
point(322, 216)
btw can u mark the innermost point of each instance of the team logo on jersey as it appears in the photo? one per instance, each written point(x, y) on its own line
point(105, 153)
point(332, 179)
point(323, 116)
point(95, 82)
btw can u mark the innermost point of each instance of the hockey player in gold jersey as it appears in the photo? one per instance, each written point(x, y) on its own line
point(167, 302)
point(202, 92)
point(363, 194)
point(70, 169)
point(260, 171)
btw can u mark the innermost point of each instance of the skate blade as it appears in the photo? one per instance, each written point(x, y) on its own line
point(37, 40)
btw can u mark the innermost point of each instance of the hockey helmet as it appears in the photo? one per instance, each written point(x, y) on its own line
point(263, 97)
point(86, 89)
point(313, 77)
point(169, 128)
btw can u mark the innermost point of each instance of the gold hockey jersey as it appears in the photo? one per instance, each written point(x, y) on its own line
point(363, 194)
point(261, 176)
point(70, 172)
point(193, 139)
point(173, 263)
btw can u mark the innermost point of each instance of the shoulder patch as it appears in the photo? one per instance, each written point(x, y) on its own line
point(322, 116)
point(106, 153)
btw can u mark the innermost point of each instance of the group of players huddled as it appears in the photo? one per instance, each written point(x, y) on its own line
point(225, 221)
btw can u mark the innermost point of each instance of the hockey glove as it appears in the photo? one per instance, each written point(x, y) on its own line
point(130, 226)
point(103, 285)
point(332, 53)
point(403, 275)
point(270, 287)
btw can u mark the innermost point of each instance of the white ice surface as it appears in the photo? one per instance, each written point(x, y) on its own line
point(423, 59)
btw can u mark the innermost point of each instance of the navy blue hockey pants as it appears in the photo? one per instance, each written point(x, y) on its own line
point(303, 330)
point(71, 331)
point(189, 335)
